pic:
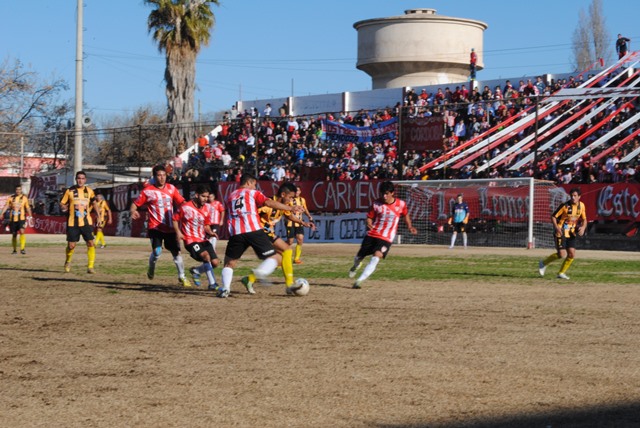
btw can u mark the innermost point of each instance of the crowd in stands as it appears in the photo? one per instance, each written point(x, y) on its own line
point(277, 146)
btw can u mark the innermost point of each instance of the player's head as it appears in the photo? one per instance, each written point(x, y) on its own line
point(387, 187)
point(575, 194)
point(459, 197)
point(287, 191)
point(81, 177)
point(202, 194)
point(248, 179)
point(212, 197)
point(99, 197)
point(160, 175)
point(18, 190)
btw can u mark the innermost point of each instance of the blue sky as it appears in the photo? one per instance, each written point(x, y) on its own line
point(262, 49)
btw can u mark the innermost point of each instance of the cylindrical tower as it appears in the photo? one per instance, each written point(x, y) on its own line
point(418, 48)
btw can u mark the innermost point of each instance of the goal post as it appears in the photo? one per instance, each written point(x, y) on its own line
point(503, 212)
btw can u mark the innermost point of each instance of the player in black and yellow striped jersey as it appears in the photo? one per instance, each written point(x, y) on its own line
point(78, 201)
point(269, 217)
point(19, 211)
point(569, 220)
point(102, 220)
point(294, 229)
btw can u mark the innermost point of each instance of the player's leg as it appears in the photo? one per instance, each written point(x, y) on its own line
point(23, 241)
point(571, 253)
point(463, 229)
point(171, 244)
point(375, 248)
point(236, 246)
point(454, 235)
point(287, 265)
point(73, 236)
point(542, 264)
point(155, 239)
point(264, 249)
point(13, 228)
point(299, 241)
point(87, 235)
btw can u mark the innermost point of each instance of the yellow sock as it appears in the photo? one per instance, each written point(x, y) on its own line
point(23, 241)
point(551, 258)
point(298, 251)
point(287, 267)
point(100, 238)
point(91, 257)
point(14, 242)
point(252, 278)
point(69, 253)
point(565, 265)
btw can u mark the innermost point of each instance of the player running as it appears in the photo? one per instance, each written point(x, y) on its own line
point(18, 206)
point(245, 230)
point(102, 220)
point(77, 201)
point(191, 222)
point(295, 230)
point(160, 198)
point(382, 221)
point(217, 217)
point(269, 218)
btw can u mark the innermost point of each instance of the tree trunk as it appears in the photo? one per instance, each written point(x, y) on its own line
point(180, 75)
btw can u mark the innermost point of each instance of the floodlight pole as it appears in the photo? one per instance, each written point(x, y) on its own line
point(77, 158)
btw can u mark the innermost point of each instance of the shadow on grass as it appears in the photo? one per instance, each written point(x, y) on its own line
point(619, 416)
point(13, 269)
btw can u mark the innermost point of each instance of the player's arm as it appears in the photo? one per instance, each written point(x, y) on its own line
point(297, 220)
point(6, 207)
point(583, 220)
point(280, 206)
point(466, 217)
point(176, 227)
point(133, 210)
point(64, 203)
point(306, 210)
point(27, 208)
point(412, 229)
point(97, 208)
point(110, 218)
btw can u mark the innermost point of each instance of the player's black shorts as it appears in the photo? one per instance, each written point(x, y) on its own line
point(15, 226)
point(258, 240)
point(74, 233)
point(292, 231)
point(371, 245)
point(197, 248)
point(459, 227)
point(565, 242)
point(169, 239)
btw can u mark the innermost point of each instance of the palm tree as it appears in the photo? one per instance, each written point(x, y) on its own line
point(181, 28)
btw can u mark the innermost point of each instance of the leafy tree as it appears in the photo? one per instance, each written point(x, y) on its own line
point(591, 39)
point(181, 28)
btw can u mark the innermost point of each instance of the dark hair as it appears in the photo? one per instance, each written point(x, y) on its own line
point(287, 187)
point(387, 186)
point(246, 177)
point(158, 168)
point(201, 188)
point(575, 190)
point(81, 173)
point(460, 195)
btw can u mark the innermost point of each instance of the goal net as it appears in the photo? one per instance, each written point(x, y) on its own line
point(505, 212)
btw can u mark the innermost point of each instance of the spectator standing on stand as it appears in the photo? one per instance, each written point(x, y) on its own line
point(473, 60)
point(621, 45)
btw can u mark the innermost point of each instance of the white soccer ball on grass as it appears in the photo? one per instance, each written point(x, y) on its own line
point(300, 287)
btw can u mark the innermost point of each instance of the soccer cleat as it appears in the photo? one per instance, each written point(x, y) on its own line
point(451, 247)
point(14, 252)
point(67, 267)
point(23, 252)
point(353, 270)
point(541, 267)
point(248, 285)
point(290, 290)
point(91, 271)
point(212, 287)
point(195, 274)
point(357, 285)
point(102, 246)
point(223, 293)
point(150, 272)
point(563, 276)
point(185, 282)
point(298, 262)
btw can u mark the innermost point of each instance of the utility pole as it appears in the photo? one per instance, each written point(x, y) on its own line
point(77, 159)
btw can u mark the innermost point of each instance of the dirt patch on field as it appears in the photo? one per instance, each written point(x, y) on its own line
point(121, 350)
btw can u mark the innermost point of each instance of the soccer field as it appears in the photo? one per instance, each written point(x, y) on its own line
point(436, 338)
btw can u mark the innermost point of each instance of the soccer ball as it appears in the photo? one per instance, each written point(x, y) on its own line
point(300, 287)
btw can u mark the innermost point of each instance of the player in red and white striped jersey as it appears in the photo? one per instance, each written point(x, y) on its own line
point(382, 221)
point(160, 198)
point(191, 222)
point(245, 230)
point(217, 217)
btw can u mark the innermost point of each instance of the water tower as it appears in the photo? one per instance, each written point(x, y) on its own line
point(418, 48)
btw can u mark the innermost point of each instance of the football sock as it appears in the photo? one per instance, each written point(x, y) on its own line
point(177, 259)
point(14, 242)
point(453, 238)
point(565, 265)
point(213, 241)
point(208, 270)
point(298, 251)
point(227, 276)
point(252, 278)
point(23, 241)
point(551, 258)
point(287, 267)
point(69, 253)
point(153, 258)
point(356, 261)
point(100, 238)
point(266, 268)
point(91, 257)
point(464, 239)
point(370, 268)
